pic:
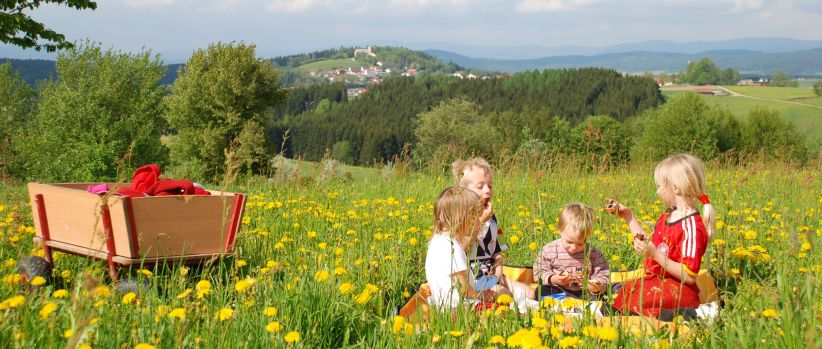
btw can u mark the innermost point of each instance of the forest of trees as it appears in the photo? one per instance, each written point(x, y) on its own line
point(375, 126)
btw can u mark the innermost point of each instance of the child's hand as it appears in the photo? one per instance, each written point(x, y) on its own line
point(643, 247)
point(561, 279)
point(615, 208)
point(595, 287)
point(487, 212)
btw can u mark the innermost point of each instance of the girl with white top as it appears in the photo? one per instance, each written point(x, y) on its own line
point(458, 215)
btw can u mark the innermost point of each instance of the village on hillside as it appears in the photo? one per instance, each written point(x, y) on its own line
point(358, 78)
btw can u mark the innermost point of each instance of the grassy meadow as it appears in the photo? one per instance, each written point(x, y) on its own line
point(324, 264)
point(329, 64)
point(807, 118)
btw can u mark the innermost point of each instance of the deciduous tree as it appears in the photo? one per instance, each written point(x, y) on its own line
point(219, 104)
point(19, 29)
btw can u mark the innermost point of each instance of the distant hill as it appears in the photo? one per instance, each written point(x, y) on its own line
point(800, 63)
point(35, 70)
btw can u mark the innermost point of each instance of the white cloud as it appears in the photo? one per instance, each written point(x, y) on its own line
point(149, 3)
point(291, 6)
point(748, 5)
point(549, 5)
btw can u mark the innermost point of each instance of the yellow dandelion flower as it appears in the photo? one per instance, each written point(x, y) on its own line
point(504, 299)
point(555, 332)
point(569, 342)
point(435, 339)
point(322, 245)
point(525, 338)
point(183, 271)
point(270, 311)
point(340, 271)
point(456, 333)
point(203, 288)
point(184, 294)
point(408, 329)
point(244, 284)
point(145, 272)
point(177, 313)
point(102, 291)
point(607, 333)
point(13, 279)
point(371, 288)
point(292, 337)
point(144, 346)
point(549, 303)
point(497, 340)
point(37, 281)
point(84, 346)
point(770, 313)
point(65, 274)
point(559, 318)
point(241, 263)
point(68, 333)
point(311, 234)
point(532, 246)
point(514, 239)
point(397, 326)
point(363, 297)
point(128, 298)
point(12, 302)
point(47, 309)
point(500, 310)
point(539, 322)
point(273, 327)
point(321, 275)
point(345, 287)
point(61, 293)
point(224, 314)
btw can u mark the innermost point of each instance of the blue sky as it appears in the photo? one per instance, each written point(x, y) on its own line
point(277, 27)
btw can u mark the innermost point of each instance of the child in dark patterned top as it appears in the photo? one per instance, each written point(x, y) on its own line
point(565, 264)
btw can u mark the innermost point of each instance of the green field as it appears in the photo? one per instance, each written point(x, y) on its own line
point(324, 263)
point(329, 64)
point(808, 119)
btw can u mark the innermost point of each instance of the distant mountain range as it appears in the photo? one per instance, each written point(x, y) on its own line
point(767, 45)
point(799, 63)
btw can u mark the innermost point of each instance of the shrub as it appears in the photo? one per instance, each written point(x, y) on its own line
point(767, 134)
point(98, 121)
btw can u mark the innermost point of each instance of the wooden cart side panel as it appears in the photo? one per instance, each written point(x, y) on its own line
point(182, 225)
point(120, 227)
point(73, 217)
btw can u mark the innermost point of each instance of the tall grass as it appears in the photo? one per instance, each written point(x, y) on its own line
point(336, 256)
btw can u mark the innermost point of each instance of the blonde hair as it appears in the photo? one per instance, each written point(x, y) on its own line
point(457, 212)
point(459, 167)
point(687, 173)
point(578, 217)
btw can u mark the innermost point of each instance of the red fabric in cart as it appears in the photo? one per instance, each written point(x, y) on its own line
point(146, 182)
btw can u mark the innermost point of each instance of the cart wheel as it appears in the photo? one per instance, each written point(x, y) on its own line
point(31, 267)
point(131, 285)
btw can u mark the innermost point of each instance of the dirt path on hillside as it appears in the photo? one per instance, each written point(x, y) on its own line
point(733, 93)
point(736, 94)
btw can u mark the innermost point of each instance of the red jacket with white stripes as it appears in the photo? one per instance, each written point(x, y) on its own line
point(683, 241)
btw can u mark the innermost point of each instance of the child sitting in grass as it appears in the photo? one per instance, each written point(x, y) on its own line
point(569, 263)
point(458, 214)
point(673, 252)
point(485, 254)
